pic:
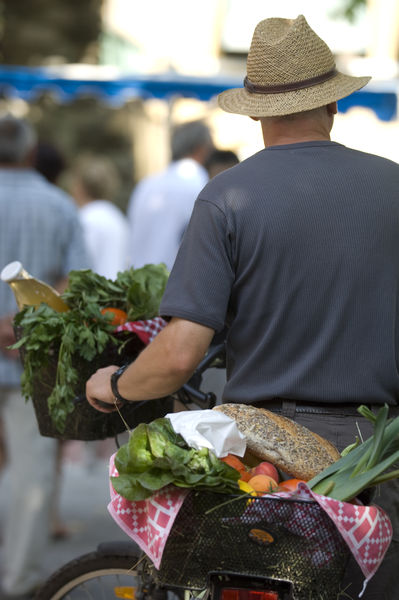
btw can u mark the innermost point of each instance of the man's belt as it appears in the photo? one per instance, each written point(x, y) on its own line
point(321, 408)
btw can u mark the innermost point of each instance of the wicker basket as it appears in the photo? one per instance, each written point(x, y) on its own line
point(284, 539)
point(85, 423)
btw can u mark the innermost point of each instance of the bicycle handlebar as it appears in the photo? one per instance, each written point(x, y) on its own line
point(190, 392)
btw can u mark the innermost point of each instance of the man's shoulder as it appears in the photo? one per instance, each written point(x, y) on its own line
point(371, 157)
point(30, 188)
point(235, 176)
point(52, 192)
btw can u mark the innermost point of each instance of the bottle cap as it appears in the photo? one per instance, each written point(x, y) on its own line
point(11, 271)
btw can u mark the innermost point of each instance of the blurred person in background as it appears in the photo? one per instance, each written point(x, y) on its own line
point(39, 226)
point(160, 206)
point(93, 184)
point(220, 160)
point(49, 161)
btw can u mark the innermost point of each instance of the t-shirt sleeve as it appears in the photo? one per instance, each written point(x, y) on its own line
point(199, 285)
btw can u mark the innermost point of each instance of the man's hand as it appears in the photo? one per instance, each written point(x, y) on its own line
point(7, 337)
point(98, 390)
point(159, 370)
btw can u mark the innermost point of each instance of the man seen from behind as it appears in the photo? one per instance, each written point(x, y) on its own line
point(296, 250)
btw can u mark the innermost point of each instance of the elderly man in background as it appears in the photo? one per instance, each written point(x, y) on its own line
point(161, 204)
point(39, 227)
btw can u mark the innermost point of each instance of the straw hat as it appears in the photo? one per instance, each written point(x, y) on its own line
point(289, 70)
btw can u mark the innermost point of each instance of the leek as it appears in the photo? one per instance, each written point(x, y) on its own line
point(362, 465)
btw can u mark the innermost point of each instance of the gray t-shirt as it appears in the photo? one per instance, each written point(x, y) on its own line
point(296, 249)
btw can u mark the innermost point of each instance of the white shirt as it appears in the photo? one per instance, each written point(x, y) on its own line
point(106, 232)
point(159, 210)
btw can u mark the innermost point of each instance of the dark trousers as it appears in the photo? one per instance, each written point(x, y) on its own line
point(340, 426)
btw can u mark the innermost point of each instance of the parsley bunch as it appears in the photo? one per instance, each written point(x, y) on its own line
point(46, 333)
point(79, 335)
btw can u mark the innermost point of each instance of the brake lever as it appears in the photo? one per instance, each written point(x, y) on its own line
point(187, 394)
point(190, 392)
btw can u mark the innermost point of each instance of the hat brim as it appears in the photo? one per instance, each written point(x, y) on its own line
point(242, 102)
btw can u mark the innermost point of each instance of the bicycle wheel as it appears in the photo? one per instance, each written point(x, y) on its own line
point(93, 576)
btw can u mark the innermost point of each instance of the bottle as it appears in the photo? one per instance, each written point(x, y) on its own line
point(29, 291)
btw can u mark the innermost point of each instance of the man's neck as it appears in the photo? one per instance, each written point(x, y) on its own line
point(279, 136)
point(283, 140)
point(278, 132)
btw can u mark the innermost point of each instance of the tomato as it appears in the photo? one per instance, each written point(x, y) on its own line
point(120, 316)
point(289, 485)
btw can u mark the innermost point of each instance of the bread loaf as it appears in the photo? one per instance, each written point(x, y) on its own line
point(291, 447)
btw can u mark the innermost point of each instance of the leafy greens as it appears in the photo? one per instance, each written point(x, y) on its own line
point(156, 456)
point(83, 332)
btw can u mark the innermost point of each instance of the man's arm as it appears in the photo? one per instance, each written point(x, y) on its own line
point(161, 369)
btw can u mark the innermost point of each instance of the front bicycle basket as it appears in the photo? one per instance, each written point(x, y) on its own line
point(280, 538)
point(84, 422)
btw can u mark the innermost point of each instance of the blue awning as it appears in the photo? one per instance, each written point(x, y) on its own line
point(384, 103)
point(29, 83)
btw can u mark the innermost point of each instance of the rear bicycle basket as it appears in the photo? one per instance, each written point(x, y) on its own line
point(280, 538)
point(86, 423)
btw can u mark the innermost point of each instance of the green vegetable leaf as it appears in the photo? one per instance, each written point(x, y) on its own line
point(130, 488)
point(365, 465)
point(157, 441)
point(146, 290)
point(379, 429)
point(79, 335)
point(139, 453)
point(156, 456)
point(154, 479)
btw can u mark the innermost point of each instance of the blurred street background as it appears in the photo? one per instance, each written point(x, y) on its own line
point(111, 77)
point(82, 506)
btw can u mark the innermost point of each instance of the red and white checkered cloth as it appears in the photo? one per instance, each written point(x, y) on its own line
point(147, 522)
point(145, 330)
point(367, 530)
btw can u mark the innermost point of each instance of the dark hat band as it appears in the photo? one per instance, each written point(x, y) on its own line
point(288, 87)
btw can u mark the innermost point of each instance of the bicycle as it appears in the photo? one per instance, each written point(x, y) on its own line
point(263, 555)
point(117, 558)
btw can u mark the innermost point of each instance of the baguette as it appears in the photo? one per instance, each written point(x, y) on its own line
point(292, 448)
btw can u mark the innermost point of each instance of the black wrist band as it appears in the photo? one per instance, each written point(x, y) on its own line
point(114, 384)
